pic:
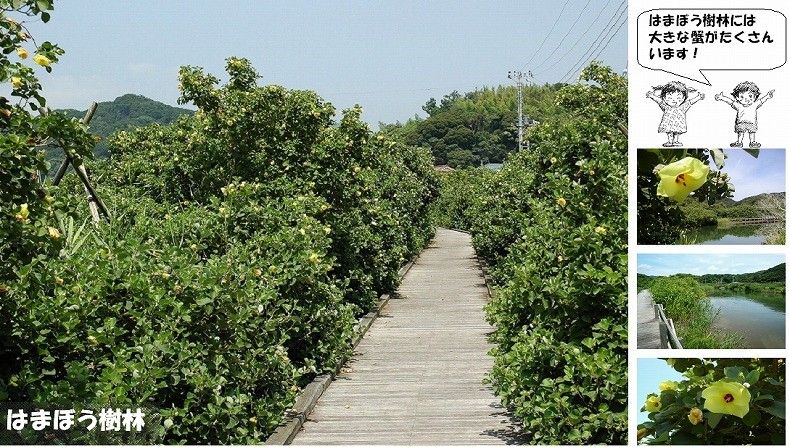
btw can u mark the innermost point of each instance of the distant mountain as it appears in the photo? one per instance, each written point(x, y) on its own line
point(772, 274)
point(757, 200)
point(126, 112)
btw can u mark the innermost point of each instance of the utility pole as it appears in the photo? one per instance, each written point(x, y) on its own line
point(518, 77)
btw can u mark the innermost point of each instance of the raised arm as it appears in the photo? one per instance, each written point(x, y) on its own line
point(722, 97)
point(764, 98)
point(651, 95)
point(699, 96)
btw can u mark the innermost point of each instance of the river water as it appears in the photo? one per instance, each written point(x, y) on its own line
point(761, 321)
point(732, 235)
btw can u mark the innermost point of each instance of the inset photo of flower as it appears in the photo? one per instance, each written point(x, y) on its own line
point(711, 196)
point(711, 301)
point(691, 401)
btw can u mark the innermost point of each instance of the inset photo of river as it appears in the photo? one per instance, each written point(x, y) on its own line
point(711, 196)
point(711, 301)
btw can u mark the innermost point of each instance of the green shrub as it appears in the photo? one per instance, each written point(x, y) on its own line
point(553, 226)
point(243, 242)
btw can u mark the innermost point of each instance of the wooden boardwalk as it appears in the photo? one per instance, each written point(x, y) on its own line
point(417, 376)
point(648, 325)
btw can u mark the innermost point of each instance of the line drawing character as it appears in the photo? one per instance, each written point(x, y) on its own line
point(674, 100)
point(745, 100)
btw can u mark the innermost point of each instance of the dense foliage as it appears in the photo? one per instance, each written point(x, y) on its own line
point(552, 224)
point(478, 127)
point(243, 241)
point(720, 401)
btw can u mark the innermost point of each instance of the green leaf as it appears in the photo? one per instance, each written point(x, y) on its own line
point(733, 372)
point(685, 438)
point(753, 152)
point(777, 409)
point(719, 157)
point(713, 419)
point(752, 418)
point(752, 377)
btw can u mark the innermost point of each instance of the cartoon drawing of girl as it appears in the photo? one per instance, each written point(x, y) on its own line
point(745, 101)
point(672, 99)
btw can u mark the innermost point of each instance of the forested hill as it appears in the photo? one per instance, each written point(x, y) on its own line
point(126, 112)
point(477, 127)
point(772, 274)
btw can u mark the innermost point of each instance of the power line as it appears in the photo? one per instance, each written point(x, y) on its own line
point(578, 40)
point(606, 44)
point(602, 35)
point(547, 35)
point(595, 45)
point(565, 36)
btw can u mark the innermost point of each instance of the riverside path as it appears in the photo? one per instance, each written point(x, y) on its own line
point(417, 376)
point(648, 333)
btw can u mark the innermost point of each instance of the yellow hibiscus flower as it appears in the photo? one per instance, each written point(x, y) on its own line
point(727, 398)
point(42, 60)
point(679, 179)
point(695, 416)
point(668, 385)
point(652, 404)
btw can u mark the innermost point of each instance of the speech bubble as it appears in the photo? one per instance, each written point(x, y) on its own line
point(687, 42)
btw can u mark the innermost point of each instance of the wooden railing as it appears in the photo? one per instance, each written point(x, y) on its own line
point(668, 333)
point(756, 220)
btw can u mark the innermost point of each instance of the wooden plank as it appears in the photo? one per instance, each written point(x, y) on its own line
point(648, 327)
point(417, 376)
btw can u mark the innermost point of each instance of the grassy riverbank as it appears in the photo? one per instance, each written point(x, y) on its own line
point(687, 302)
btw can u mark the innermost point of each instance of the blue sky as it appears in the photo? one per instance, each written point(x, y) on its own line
point(752, 176)
point(650, 373)
point(700, 264)
point(388, 56)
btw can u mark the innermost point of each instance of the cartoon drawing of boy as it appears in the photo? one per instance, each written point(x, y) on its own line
point(673, 100)
point(745, 101)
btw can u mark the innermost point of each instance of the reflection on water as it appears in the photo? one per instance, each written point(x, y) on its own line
point(731, 235)
point(761, 321)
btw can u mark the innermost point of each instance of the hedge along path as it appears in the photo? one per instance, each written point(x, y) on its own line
point(417, 376)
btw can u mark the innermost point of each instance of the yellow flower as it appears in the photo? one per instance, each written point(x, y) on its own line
point(600, 230)
point(21, 52)
point(23, 212)
point(54, 233)
point(727, 398)
point(58, 280)
point(561, 201)
point(42, 60)
point(668, 385)
point(695, 416)
point(16, 81)
point(257, 272)
point(165, 275)
point(92, 340)
point(314, 258)
point(679, 179)
point(553, 160)
point(652, 404)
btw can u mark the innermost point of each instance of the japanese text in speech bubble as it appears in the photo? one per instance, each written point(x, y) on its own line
point(685, 42)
